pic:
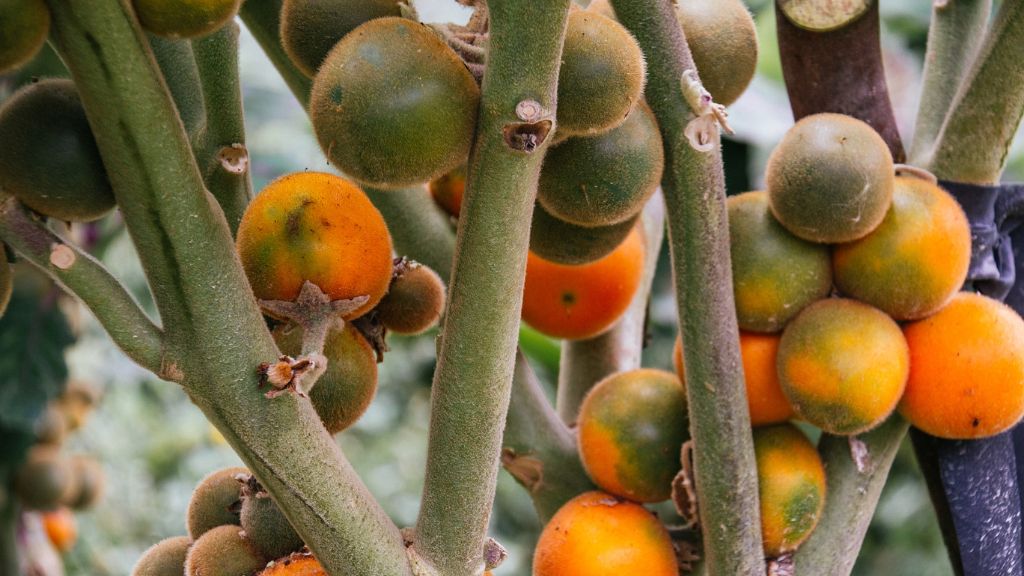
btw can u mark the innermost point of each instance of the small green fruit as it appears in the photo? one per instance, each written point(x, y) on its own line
point(216, 501)
point(310, 28)
point(24, 26)
point(265, 525)
point(165, 558)
point(44, 480)
point(414, 301)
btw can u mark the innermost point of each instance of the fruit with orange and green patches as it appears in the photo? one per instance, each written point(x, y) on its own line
point(415, 301)
point(562, 242)
point(184, 18)
point(165, 558)
point(924, 241)
point(24, 26)
point(310, 28)
point(631, 428)
point(223, 551)
point(265, 525)
point(215, 501)
point(44, 480)
point(294, 565)
point(320, 228)
point(830, 180)
point(597, 534)
point(775, 274)
point(843, 365)
point(607, 178)
point(448, 191)
point(346, 388)
point(393, 105)
point(966, 369)
point(791, 487)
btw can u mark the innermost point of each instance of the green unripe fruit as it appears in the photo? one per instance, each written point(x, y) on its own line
point(775, 274)
point(602, 75)
point(44, 480)
point(184, 18)
point(89, 483)
point(165, 558)
point(310, 28)
point(415, 299)
point(831, 179)
point(215, 501)
point(393, 105)
point(48, 156)
point(52, 426)
point(604, 179)
point(24, 26)
point(345, 390)
point(723, 40)
point(265, 526)
point(223, 551)
point(559, 241)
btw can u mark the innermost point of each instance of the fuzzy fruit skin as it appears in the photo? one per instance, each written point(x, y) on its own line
point(924, 241)
point(632, 426)
point(184, 18)
point(414, 302)
point(843, 365)
point(24, 26)
point(61, 528)
point(831, 178)
point(165, 558)
point(266, 527)
point(295, 565)
point(597, 534)
point(89, 483)
point(791, 482)
point(44, 480)
point(51, 427)
point(966, 369)
point(48, 155)
point(448, 191)
point(223, 551)
point(345, 390)
point(775, 274)
point(317, 227)
point(607, 178)
point(393, 105)
point(561, 242)
point(576, 302)
point(310, 28)
point(213, 500)
point(723, 40)
point(602, 75)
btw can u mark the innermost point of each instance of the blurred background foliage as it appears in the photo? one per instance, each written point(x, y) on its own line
point(155, 445)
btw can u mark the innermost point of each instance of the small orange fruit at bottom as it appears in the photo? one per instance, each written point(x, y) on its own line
point(966, 369)
point(61, 528)
point(295, 565)
point(596, 534)
point(791, 481)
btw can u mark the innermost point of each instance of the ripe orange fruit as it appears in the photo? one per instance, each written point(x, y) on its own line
point(576, 302)
point(596, 534)
point(791, 482)
point(316, 227)
point(448, 191)
point(184, 18)
point(295, 565)
point(24, 25)
point(843, 365)
point(924, 241)
point(61, 528)
point(966, 369)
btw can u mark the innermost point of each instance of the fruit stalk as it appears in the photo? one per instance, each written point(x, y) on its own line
point(473, 379)
point(694, 188)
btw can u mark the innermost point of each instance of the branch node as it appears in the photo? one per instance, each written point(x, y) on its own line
point(62, 256)
point(711, 117)
point(234, 158)
point(526, 469)
point(494, 554)
point(860, 454)
point(684, 491)
point(419, 565)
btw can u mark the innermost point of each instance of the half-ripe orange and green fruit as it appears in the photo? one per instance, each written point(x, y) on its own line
point(184, 18)
point(791, 482)
point(607, 178)
point(562, 242)
point(165, 558)
point(310, 28)
point(830, 180)
point(632, 426)
point(577, 302)
point(602, 75)
point(320, 228)
point(295, 565)
point(223, 551)
point(843, 365)
point(775, 275)
point(448, 191)
point(48, 155)
point(24, 26)
point(597, 534)
point(61, 528)
point(966, 369)
point(44, 480)
point(414, 301)
point(916, 259)
point(216, 501)
point(393, 105)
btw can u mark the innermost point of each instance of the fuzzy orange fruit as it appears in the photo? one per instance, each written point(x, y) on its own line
point(61, 528)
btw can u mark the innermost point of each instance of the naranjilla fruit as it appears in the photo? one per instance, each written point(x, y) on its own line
point(310, 28)
point(89, 483)
point(294, 565)
point(597, 534)
point(561, 242)
point(414, 301)
point(393, 105)
point(966, 369)
point(320, 228)
point(184, 18)
point(843, 365)
point(165, 558)
point(215, 501)
point(61, 528)
point(24, 25)
point(924, 242)
point(44, 480)
point(631, 428)
point(264, 524)
point(51, 427)
point(830, 180)
point(791, 481)
point(223, 551)
point(448, 191)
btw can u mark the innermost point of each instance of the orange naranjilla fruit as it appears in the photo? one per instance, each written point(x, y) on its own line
point(448, 190)
point(966, 369)
point(60, 528)
point(596, 534)
point(295, 565)
point(791, 481)
point(316, 227)
point(576, 302)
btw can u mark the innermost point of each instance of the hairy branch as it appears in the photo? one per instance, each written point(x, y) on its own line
point(419, 229)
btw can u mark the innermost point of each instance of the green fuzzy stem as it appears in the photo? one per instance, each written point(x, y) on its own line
point(954, 36)
point(987, 110)
point(694, 188)
point(263, 19)
point(473, 379)
point(419, 229)
point(178, 64)
point(584, 363)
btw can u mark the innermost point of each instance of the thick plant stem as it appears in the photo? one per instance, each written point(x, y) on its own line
point(584, 363)
point(538, 449)
point(178, 64)
point(987, 110)
point(419, 229)
point(263, 19)
point(694, 188)
point(956, 30)
point(473, 379)
point(80, 274)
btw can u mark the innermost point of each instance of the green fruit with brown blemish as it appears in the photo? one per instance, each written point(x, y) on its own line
point(216, 501)
point(414, 301)
point(165, 558)
point(223, 551)
point(44, 480)
point(24, 26)
point(310, 28)
point(561, 242)
point(265, 525)
point(723, 40)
